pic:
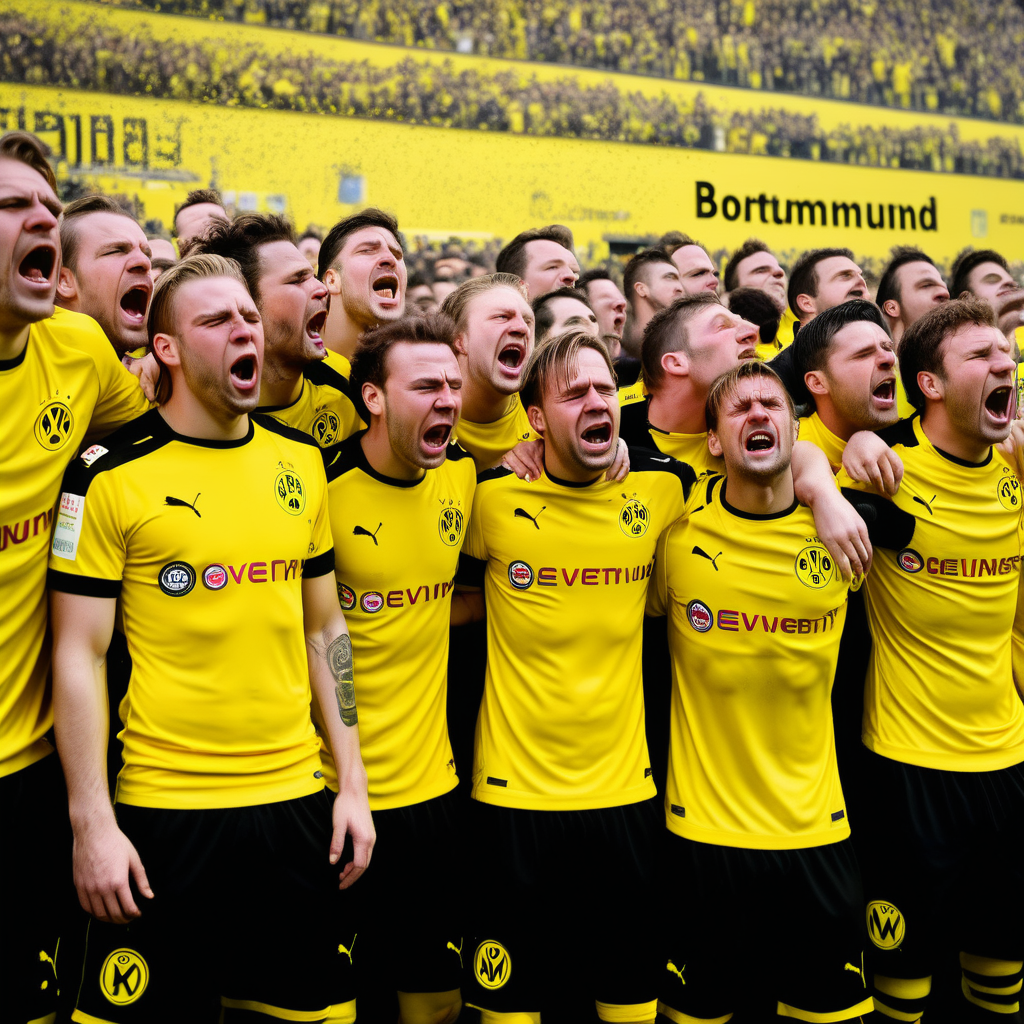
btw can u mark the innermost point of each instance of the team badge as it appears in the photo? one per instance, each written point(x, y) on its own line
point(634, 518)
point(520, 575)
point(372, 601)
point(177, 579)
point(700, 616)
point(492, 964)
point(910, 561)
point(54, 425)
point(326, 428)
point(346, 597)
point(215, 577)
point(124, 977)
point(886, 925)
point(290, 492)
point(1009, 493)
point(450, 525)
point(814, 567)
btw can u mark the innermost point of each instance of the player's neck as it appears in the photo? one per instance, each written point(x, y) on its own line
point(13, 341)
point(676, 409)
point(187, 415)
point(279, 385)
point(938, 429)
point(560, 470)
point(381, 456)
point(341, 333)
point(758, 497)
point(481, 403)
point(829, 415)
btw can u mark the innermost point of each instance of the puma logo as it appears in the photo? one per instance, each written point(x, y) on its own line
point(457, 949)
point(859, 970)
point(927, 504)
point(361, 531)
point(704, 554)
point(351, 946)
point(677, 971)
point(181, 503)
point(521, 513)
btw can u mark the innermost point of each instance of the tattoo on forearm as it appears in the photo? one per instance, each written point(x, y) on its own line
point(339, 658)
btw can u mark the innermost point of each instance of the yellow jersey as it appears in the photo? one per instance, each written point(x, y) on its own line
point(324, 409)
point(939, 690)
point(205, 544)
point(813, 430)
point(489, 442)
point(396, 552)
point(339, 363)
point(637, 431)
point(565, 569)
point(67, 385)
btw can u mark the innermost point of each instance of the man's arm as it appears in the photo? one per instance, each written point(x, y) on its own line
point(329, 650)
point(104, 859)
point(526, 460)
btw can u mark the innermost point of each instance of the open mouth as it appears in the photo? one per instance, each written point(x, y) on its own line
point(38, 265)
point(512, 356)
point(886, 391)
point(998, 403)
point(600, 434)
point(243, 372)
point(315, 324)
point(134, 303)
point(760, 441)
point(386, 286)
point(437, 436)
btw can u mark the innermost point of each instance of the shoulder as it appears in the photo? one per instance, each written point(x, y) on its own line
point(633, 427)
point(322, 374)
point(288, 434)
point(343, 457)
point(295, 443)
point(901, 434)
point(646, 460)
point(137, 439)
point(489, 476)
point(456, 453)
point(76, 331)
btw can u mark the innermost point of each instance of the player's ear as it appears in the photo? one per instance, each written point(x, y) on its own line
point(165, 348)
point(641, 289)
point(891, 308)
point(675, 364)
point(714, 445)
point(373, 398)
point(535, 414)
point(805, 303)
point(67, 286)
point(796, 430)
point(931, 385)
point(460, 344)
point(332, 279)
point(815, 381)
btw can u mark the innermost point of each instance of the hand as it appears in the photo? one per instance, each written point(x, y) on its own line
point(147, 369)
point(526, 460)
point(352, 817)
point(843, 533)
point(869, 460)
point(620, 467)
point(104, 859)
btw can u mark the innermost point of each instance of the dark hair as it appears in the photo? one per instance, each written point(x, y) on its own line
point(667, 332)
point(195, 198)
point(803, 278)
point(750, 247)
point(889, 285)
point(636, 269)
point(921, 347)
point(557, 356)
point(512, 259)
point(813, 345)
point(75, 211)
point(672, 240)
point(29, 150)
point(417, 280)
point(966, 260)
point(371, 217)
point(370, 360)
point(240, 240)
point(312, 232)
point(726, 384)
point(596, 274)
point(544, 316)
point(759, 308)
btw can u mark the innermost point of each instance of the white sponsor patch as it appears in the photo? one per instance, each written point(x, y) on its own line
point(69, 525)
point(90, 455)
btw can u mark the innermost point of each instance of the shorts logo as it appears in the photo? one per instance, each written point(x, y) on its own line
point(634, 518)
point(1009, 494)
point(54, 425)
point(449, 525)
point(346, 597)
point(814, 567)
point(177, 579)
point(677, 971)
point(910, 561)
point(326, 428)
point(886, 926)
point(491, 964)
point(215, 577)
point(124, 977)
point(700, 616)
point(520, 575)
point(290, 492)
point(372, 601)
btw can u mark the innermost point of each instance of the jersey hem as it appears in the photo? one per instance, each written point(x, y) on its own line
point(143, 794)
point(520, 801)
point(26, 758)
point(393, 803)
point(743, 841)
point(950, 761)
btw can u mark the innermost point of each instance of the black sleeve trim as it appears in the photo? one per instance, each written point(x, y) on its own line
point(86, 586)
point(456, 452)
point(633, 427)
point(900, 433)
point(275, 427)
point(318, 565)
point(493, 474)
point(471, 571)
point(645, 460)
point(888, 526)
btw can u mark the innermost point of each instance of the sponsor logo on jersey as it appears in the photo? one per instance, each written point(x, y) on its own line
point(634, 518)
point(215, 577)
point(700, 616)
point(177, 579)
point(372, 601)
point(520, 575)
point(90, 455)
point(971, 568)
point(346, 597)
point(290, 492)
point(124, 977)
point(491, 964)
point(558, 576)
point(19, 532)
point(1008, 491)
point(886, 925)
point(910, 561)
point(326, 427)
point(450, 524)
point(53, 426)
point(814, 567)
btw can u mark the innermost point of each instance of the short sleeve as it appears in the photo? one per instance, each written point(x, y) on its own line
point(120, 395)
point(321, 557)
point(476, 544)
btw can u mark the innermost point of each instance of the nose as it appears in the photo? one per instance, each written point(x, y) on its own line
point(39, 217)
point(746, 331)
point(139, 261)
point(446, 399)
point(518, 327)
point(1003, 363)
point(886, 358)
point(567, 278)
point(778, 273)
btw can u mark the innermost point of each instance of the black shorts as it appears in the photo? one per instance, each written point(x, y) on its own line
point(941, 853)
point(407, 908)
point(788, 921)
point(559, 899)
point(246, 914)
point(35, 865)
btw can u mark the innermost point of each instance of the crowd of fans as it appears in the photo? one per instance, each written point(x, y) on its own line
point(102, 58)
point(957, 57)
